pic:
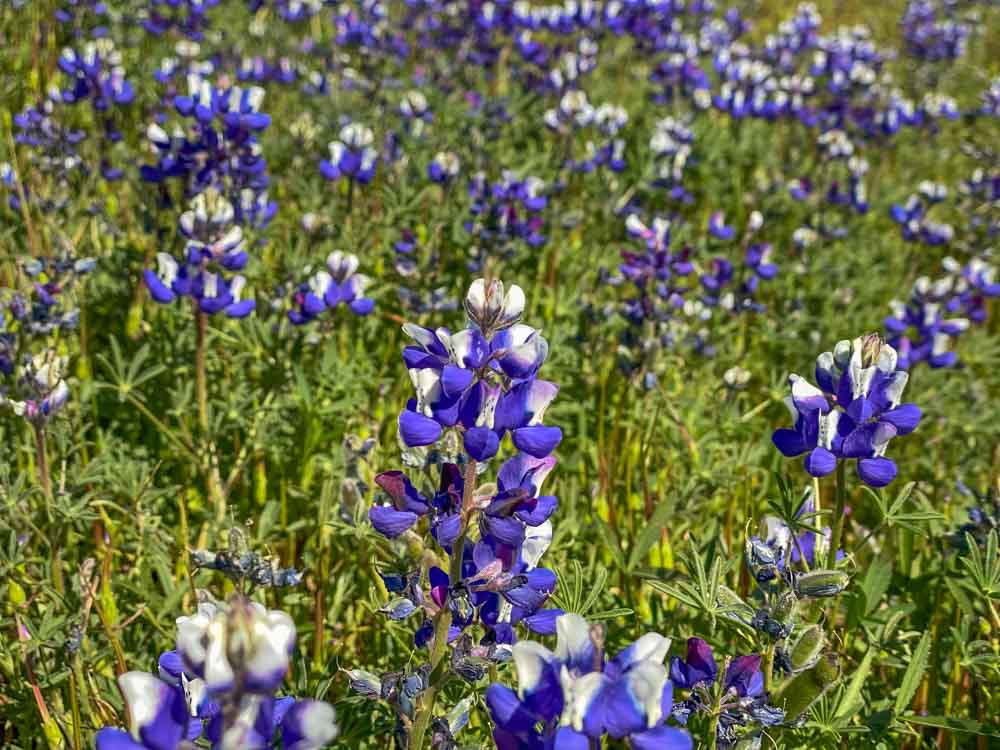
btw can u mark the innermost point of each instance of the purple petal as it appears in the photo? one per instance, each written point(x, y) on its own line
point(904, 418)
point(661, 738)
point(481, 443)
point(538, 441)
point(876, 472)
point(789, 442)
point(391, 522)
point(820, 462)
point(416, 429)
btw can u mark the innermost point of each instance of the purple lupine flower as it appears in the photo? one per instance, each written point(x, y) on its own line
point(504, 212)
point(913, 218)
point(671, 145)
point(854, 412)
point(96, 74)
point(42, 389)
point(575, 696)
point(919, 329)
point(186, 17)
point(744, 701)
point(455, 378)
point(474, 388)
point(444, 167)
point(931, 36)
point(218, 686)
point(717, 227)
point(217, 149)
point(416, 112)
point(352, 157)
point(214, 242)
point(338, 284)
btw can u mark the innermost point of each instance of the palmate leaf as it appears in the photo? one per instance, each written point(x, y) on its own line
point(984, 567)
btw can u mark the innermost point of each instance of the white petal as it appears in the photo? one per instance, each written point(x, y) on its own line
point(530, 659)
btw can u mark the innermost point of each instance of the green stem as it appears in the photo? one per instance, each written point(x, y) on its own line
point(769, 666)
point(74, 700)
point(838, 518)
point(215, 491)
point(45, 480)
point(42, 466)
point(442, 623)
point(201, 381)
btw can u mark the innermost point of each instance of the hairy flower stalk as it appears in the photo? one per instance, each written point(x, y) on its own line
point(442, 624)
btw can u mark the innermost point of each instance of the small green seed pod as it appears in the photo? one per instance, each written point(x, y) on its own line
point(799, 693)
point(806, 648)
point(821, 583)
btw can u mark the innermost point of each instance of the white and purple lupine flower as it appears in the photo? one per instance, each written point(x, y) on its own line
point(217, 147)
point(507, 210)
point(240, 644)
point(218, 686)
point(444, 167)
point(473, 388)
point(215, 247)
point(914, 220)
point(457, 379)
point(931, 36)
point(45, 391)
point(919, 329)
point(352, 157)
point(854, 412)
point(96, 73)
point(416, 112)
point(338, 284)
point(576, 697)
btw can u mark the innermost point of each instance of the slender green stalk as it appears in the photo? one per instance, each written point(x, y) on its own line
point(42, 466)
point(838, 518)
point(74, 701)
point(769, 666)
point(215, 491)
point(201, 381)
point(442, 623)
point(45, 481)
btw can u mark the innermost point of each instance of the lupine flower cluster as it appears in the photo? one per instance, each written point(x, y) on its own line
point(913, 218)
point(576, 115)
point(924, 328)
point(503, 213)
point(474, 388)
point(677, 294)
point(576, 696)
point(339, 284)
point(853, 414)
point(931, 30)
point(187, 18)
point(352, 156)
point(219, 686)
point(54, 150)
point(738, 695)
point(218, 149)
point(32, 368)
point(215, 247)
